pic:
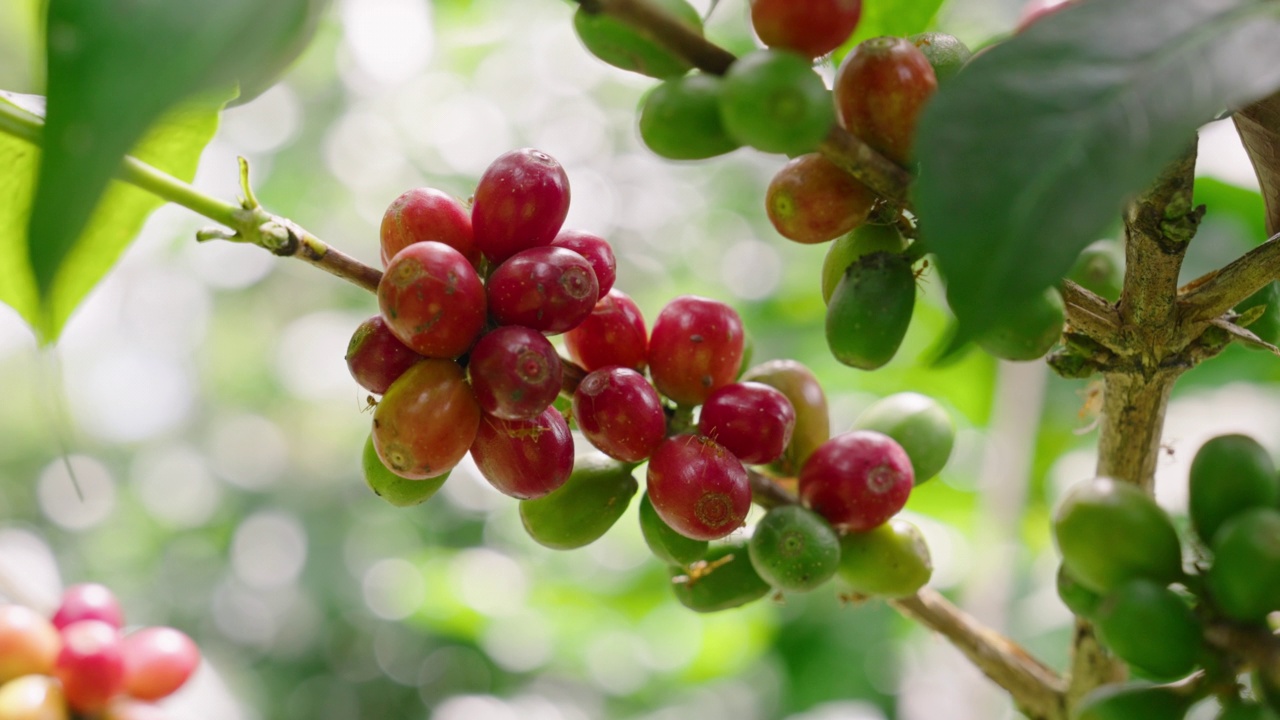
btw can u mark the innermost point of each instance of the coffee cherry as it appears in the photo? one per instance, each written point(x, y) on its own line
point(29, 643)
point(1244, 579)
point(810, 29)
point(794, 549)
point(88, 601)
point(549, 289)
point(520, 203)
point(811, 200)
point(427, 420)
point(857, 480)
point(515, 373)
point(1229, 475)
point(433, 300)
point(695, 348)
point(727, 580)
point(524, 458)
point(583, 509)
point(773, 101)
point(596, 250)
point(1079, 599)
point(1134, 701)
point(848, 249)
point(423, 214)
point(1109, 532)
point(813, 422)
point(376, 357)
point(751, 420)
point(1151, 628)
point(880, 90)
point(1030, 331)
point(389, 486)
point(889, 561)
point(620, 413)
point(90, 664)
point(157, 661)
point(1100, 269)
point(917, 423)
point(32, 697)
point(666, 544)
point(946, 53)
point(870, 310)
point(613, 334)
point(680, 119)
point(698, 488)
point(629, 48)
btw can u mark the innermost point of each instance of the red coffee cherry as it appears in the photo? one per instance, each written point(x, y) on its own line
point(695, 348)
point(857, 480)
point(698, 488)
point(427, 421)
point(423, 214)
point(88, 601)
point(515, 373)
point(525, 459)
point(520, 203)
point(157, 661)
point(620, 413)
point(751, 420)
point(613, 334)
point(29, 643)
point(811, 200)
point(880, 90)
point(811, 28)
point(376, 357)
point(433, 300)
point(596, 250)
point(549, 289)
point(90, 664)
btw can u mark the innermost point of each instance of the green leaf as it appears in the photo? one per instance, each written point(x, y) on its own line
point(1028, 154)
point(891, 17)
point(116, 66)
point(173, 145)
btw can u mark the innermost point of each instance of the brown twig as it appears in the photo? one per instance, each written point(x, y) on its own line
point(1209, 296)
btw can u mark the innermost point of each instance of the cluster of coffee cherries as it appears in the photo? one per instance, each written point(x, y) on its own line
point(1124, 567)
point(80, 663)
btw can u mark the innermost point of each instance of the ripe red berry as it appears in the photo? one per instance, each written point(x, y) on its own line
point(695, 348)
point(857, 480)
point(525, 459)
point(698, 488)
point(28, 643)
point(376, 357)
point(811, 28)
point(613, 334)
point(520, 203)
point(549, 289)
point(427, 420)
point(157, 661)
point(90, 664)
point(515, 373)
point(423, 214)
point(880, 90)
point(751, 420)
point(596, 250)
point(433, 300)
point(620, 413)
point(88, 601)
point(811, 200)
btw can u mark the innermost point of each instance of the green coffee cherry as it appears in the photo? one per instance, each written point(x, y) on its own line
point(794, 549)
point(389, 486)
point(946, 53)
point(680, 119)
point(583, 509)
point(1230, 474)
point(773, 101)
point(1133, 701)
point(1100, 269)
point(1244, 579)
point(870, 310)
point(1079, 599)
point(1110, 532)
point(919, 424)
point(626, 47)
point(863, 240)
point(1151, 628)
point(889, 561)
point(666, 544)
point(1032, 329)
point(728, 580)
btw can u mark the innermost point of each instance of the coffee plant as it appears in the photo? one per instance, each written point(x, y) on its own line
point(719, 485)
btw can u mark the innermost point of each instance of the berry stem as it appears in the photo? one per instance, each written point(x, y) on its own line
point(249, 222)
point(850, 153)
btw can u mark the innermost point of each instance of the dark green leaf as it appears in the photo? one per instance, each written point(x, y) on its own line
point(1028, 154)
point(173, 145)
point(116, 66)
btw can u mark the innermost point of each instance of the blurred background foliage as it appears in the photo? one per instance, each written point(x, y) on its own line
point(201, 401)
